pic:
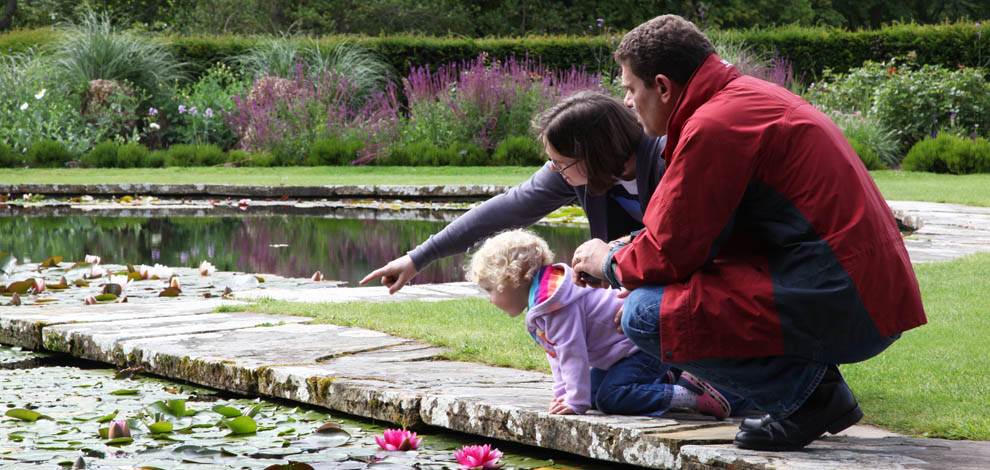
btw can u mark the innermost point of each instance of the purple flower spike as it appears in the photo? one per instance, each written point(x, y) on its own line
point(208, 113)
point(152, 111)
point(182, 108)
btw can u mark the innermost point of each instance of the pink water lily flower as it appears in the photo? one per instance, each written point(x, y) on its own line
point(92, 259)
point(119, 428)
point(475, 457)
point(206, 268)
point(398, 439)
point(90, 300)
point(39, 285)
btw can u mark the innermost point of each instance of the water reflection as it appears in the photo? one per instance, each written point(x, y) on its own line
point(343, 249)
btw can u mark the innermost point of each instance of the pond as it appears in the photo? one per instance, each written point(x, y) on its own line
point(55, 412)
point(289, 246)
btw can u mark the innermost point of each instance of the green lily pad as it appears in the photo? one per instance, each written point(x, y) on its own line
point(124, 392)
point(227, 411)
point(105, 297)
point(25, 415)
point(160, 427)
point(242, 425)
point(109, 417)
point(120, 441)
point(50, 262)
point(290, 466)
point(20, 287)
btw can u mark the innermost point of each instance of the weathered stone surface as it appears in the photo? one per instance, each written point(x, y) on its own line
point(22, 326)
point(99, 341)
point(846, 454)
point(943, 231)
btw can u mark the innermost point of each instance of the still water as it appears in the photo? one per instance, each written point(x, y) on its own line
point(291, 246)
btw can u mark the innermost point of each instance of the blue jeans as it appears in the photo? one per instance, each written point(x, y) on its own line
point(777, 384)
point(636, 385)
point(640, 385)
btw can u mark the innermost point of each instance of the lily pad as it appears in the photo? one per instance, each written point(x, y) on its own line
point(25, 415)
point(290, 466)
point(7, 262)
point(50, 262)
point(323, 440)
point(227, 411)
point(105, 297)
point(20, 287)
point(120, 441)
point(160, 427)
point(124, 392)
point(242, 425)
point(170, 292)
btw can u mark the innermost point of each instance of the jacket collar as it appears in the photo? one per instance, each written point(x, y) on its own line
point(712, 76)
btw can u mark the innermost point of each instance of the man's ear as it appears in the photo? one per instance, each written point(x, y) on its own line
point(666, 88)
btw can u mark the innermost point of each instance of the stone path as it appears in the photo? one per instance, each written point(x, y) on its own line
point(375, 375)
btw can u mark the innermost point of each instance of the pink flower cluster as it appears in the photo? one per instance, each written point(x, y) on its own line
point(478, 457)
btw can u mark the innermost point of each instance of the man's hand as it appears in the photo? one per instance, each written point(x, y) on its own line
point(557, 407)
point(395, 274)
point(588, 258)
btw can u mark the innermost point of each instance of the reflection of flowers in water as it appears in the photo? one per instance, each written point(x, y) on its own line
point(156, 254)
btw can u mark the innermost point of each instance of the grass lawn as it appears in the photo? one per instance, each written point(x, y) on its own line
point(971, 190)
point(275, 176)
point(931, 383)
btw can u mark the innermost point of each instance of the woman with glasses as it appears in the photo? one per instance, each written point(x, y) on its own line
point(598, 155)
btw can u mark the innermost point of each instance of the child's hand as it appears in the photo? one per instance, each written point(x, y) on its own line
point(558, 407)
point(618, 315)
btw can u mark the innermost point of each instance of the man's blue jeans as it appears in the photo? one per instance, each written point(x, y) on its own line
point(778, 385)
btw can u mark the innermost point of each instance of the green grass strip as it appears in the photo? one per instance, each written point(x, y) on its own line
point(932, 382)
point(276, 176)
point(973, 190)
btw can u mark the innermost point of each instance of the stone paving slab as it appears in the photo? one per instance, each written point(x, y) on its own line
point(425, 292)
point(943, 231)
point(233, 190)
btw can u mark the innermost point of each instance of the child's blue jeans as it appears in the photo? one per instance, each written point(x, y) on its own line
point(639, 385)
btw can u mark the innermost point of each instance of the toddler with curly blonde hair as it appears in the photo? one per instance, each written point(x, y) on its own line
point(593, 364)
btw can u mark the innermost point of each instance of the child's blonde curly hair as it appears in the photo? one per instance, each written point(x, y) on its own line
point(508, 259)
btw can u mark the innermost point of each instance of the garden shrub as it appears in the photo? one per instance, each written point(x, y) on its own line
point(519, 151)
point(913, 101)
point(866, 155)
point(334, 151)
point(181, 155)
point(263, 159)
point(209, 155)
point(48, 154)
point(871, 134)
point(239, 158)
point(103, 155)
point(968, 156)
point(928, 154)
point(8, 159)
point(131, 155)
point(467, 154)
point(154, 159)
point(197, 113)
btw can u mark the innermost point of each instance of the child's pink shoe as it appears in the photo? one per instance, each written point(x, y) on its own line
point(710, 401)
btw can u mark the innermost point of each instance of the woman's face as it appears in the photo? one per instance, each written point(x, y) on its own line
point(573, 171)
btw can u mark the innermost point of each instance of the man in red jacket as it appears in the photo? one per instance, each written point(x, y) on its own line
point(769, 255)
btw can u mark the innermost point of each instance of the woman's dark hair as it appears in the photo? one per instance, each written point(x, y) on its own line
point(595, 129)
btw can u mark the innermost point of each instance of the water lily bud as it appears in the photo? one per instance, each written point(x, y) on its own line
point(206, 268)
point(318, 276)
point(79, 463)
point(119, 428)
point(92, 259)
point(174, 282)
point(15, 300)
point(39, 285)
point(90, 300)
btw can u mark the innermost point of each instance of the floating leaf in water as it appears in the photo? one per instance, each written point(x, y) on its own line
point(50, 262)
point(255, 410)
point(175, 408)
point(113, 288)
point(227, 411)
point(25, 415)
point(160, 427)
point(105, 297)
point(241, 425)
point(124, 392)
point(62, 284)
point(20, 287)
point(128, 373)
point(108, 417)
point(120, 441)
point(81, 283)
point(290, 466)
point(170, 292)
point(328, 428)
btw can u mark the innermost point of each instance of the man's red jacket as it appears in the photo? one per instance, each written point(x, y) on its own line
point(767, 231)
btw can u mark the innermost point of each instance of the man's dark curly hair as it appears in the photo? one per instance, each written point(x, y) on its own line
point(667, 45)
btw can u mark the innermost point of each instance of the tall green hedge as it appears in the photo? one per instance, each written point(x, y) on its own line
point(812, 50)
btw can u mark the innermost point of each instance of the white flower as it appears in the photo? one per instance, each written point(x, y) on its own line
point(24, 106)
point(40, 94)
point(122, 281)
point(154, 126)
point(159, 271)
point(92, 259)
point(206, 268)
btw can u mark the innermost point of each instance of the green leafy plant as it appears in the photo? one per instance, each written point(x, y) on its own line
point(197, 115)
point(949, 153)
point(517, 150)
point(103, 155)
point(869, 158)
point(8, 159)
point(49, 154)
point(131, 155)
point(334, 151)
point(871, 136)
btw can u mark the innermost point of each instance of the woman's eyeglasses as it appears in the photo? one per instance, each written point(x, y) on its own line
point(560, 169)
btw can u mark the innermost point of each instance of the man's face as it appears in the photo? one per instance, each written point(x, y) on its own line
point(653, 106)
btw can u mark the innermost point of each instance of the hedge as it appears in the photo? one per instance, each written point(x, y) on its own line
point(812, 50)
